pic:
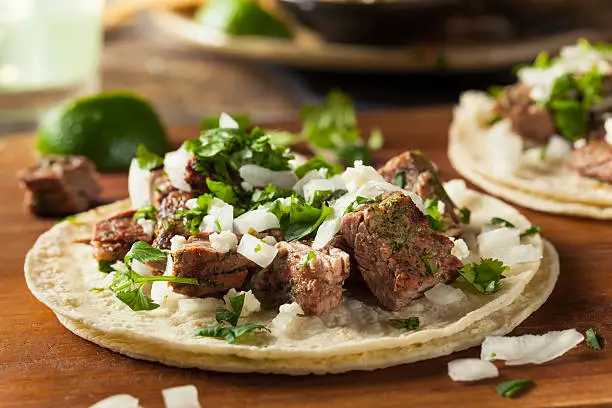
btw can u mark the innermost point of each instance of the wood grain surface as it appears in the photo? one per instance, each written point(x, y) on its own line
point(44, 365)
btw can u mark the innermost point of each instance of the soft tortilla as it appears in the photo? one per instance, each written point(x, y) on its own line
point(355, 335)
point(560, 191)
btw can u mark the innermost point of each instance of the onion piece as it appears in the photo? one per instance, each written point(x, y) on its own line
point(223, 215)
point(175, 166)
point(558, 148)
point(117, 401)
point(259, 220)
point(328, 229)
point(140, 268)
point(516, 255)
point(251, 304)
point(317, 185)
point(258, 176)
point(185, 396)
point(374, 188)
point(491, 242)
point(140, 186)
point(442, 294)
point(471, 369)
point(227, 122)
point(223, 242)
point(356, 176)
point(256, 250)
point(308, 177)
point(456, 189)
point(161, 289)
point(176, 242)
point(148, 226)
point(460, 248)
point(529, 348)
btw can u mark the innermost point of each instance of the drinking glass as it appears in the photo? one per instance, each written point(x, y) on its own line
point(49, 52)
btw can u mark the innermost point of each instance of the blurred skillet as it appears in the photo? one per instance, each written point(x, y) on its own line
point(376, 22)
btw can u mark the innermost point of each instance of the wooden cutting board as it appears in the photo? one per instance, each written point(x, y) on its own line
point(44, 365)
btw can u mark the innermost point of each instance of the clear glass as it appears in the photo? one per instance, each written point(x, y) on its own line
point(49, 52)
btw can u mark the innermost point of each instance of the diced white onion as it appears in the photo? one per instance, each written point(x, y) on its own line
point(286, 321)
point(223, 242)
point(338, 181)
point(185, 396)
point(374, 188)
point(256, 250)
point(442, 294)
point(579, 144)
point(258, 176)
point(356, 176)
point(308, 177)
point(192, 203)
point(297, 161)
point(478, 106)
point(176, 243)
point(175, 165)
point(197, 305)
point(516, 255)
point(331, 225)
point(558, 148)
point(505, 149)
point(248, 187)
point(227, 122)
point(270, 240)
point(456, 189)
point(259, 220)
point(147, 226)
point(317, 185)
point(141, 268)
point(251, 304)
point(471, 369)
point(608, 129)
point(491, 242)
point(460, 249)
point(223, 215)
point(117, 401)
point(139, 185)
point(529, 348)
point(161, 289)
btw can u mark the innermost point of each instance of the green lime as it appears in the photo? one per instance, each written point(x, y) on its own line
point(107, 128)
point(240, 17)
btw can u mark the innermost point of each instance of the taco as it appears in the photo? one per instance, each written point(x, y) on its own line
point(544, 142)
point(233, 255)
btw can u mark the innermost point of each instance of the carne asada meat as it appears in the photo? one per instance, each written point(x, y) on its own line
point(419, 175)
point(167, 223)
point(217, 272)
point(528, 120)
point(114, 236)
point(398, 254)
point(161, 187)
point(594, 160)
point(316, 285)
point(61, 185)
point(196, 180)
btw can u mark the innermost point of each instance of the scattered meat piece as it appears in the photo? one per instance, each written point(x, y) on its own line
point(196, 180)
point(421, 177)
point(398, 254)
point(114, 236)
point(161, 187)
point(167, 226)
point(594, 160)
point(217, 272)
point(315, 286)
point(528, 120)
point(58, 186)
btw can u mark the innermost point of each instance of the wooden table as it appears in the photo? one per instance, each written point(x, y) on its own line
point(44, 365)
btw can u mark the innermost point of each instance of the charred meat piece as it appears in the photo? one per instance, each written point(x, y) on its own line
point(528, 120)
point(314, 282)
point(398, 254)
point(217, 272)
point(161, 187)
point(195, 179)
point(594, 160)
point(167, 223)
point(417, 174)
point(114, 236)
point(61, 185)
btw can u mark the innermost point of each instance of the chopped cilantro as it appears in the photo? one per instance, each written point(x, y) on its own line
point(360, 201)
point(193, 218)
point(494, 91)
point(148, 160)
point(257, 248)
point(319, 197)
point(148, 212)
point(534, 229)
point(513, 388)
point(105, 266)
point(305, 259)
point(429, 265)
point(465, 214)
point(144, 252)
point(316, 163)
point(591, 340)
point(495, 119)
point(229, 194)
point(502, 222)
point(218, 225)
point(298, 219)
point(269, 194)
point(485, 276)
point(136, 299)
point(399, 179)
point(433, 215)
point(542, 60)
point(411, 323)
point(96, 289)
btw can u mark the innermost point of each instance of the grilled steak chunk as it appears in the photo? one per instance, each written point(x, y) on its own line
point(114, 236)
point(61, 185)
point(594, 160)
point(417, 174)
point(196, 180)
point(528, 120)
point(167, 224)
point(398, 254)
point(161, 187)
point(217, 272)
point(315, 285)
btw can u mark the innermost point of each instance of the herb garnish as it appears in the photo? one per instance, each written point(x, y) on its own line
point(399, 179)
point(148, 160)
point(502, 222)
point(316, 163)
point(534, 229)
point(433, 215)
point(411, 323)
point(513, 388)
point(485, 276)
point(192, 218)
point(297, 218)
point(305, 259)
point(218, 225)
point(105, 266)
point(148, 212)
point(592, 341)
point(360, 201)
point(465, 214)
point(233, 332)
point(269, 194)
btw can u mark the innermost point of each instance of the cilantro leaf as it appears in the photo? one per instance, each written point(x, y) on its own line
point(96, 289)
point(433, 215)
point(430, 266)
point(360, 201)
point(513, 388)
point(316, 163)
point(193, 218)
point(305, 259)
point(349, 153)
point(320, 196)
point(495, 90)
point(399, 179)
point(144, 252)
point(591, 340)
point(148, 160)
point(534, 229)
point(542, 60)
point(502, 222)
point(465, 214)
point(229, 333)
point(411, 323)
point(218, 225)
point(485, 276)
point(105, 266)
point(226, 192)
point(148, 212)
point(269, 194)
point(136, 300)
point(299, 219)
